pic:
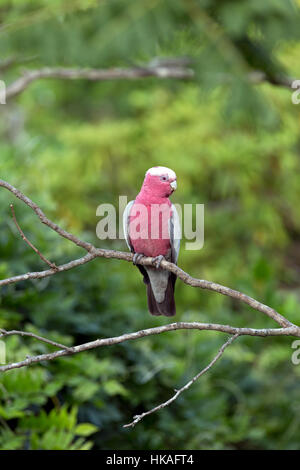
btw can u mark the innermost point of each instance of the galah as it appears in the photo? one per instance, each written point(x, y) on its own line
point(152, 228)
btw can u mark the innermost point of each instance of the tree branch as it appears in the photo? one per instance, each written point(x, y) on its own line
point(291, 331)
point(176, 68)
point(4, 333)
point(52, 265)
point(133, 73)
point(44, 219)
point(138, 418)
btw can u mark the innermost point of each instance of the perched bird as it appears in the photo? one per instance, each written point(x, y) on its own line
point(152, 228)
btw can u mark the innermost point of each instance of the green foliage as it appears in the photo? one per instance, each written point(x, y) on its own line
point(72, 146)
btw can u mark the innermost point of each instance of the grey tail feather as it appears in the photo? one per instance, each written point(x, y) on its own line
point(152, 304)
point(167, 307)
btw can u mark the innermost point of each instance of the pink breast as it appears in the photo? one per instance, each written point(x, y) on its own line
point(148, 229)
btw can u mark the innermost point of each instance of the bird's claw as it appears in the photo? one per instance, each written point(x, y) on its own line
point(137, 257)
point(157, 261)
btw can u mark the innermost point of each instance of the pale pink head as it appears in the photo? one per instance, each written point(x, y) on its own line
point(161, 181)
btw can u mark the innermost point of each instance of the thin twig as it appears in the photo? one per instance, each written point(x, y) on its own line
point(5, 333)
point(52, 265)
point(44, 219)
point(49, 272)
point(138, 418)
point(134, 73)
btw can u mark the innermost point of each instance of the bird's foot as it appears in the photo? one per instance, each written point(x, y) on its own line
point(157, 261)
point(137, 257)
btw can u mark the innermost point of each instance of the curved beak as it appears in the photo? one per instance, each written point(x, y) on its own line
point(173, 185)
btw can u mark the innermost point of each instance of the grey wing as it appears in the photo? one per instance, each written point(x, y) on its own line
point(126, 224)
point(127, 239)
point(175, 233)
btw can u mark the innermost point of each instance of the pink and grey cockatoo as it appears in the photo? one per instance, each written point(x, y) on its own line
point(152, 228)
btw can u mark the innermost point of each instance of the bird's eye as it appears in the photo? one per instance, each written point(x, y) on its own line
point(164, 178)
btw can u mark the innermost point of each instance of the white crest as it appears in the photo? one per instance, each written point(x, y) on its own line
point(161, 170)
